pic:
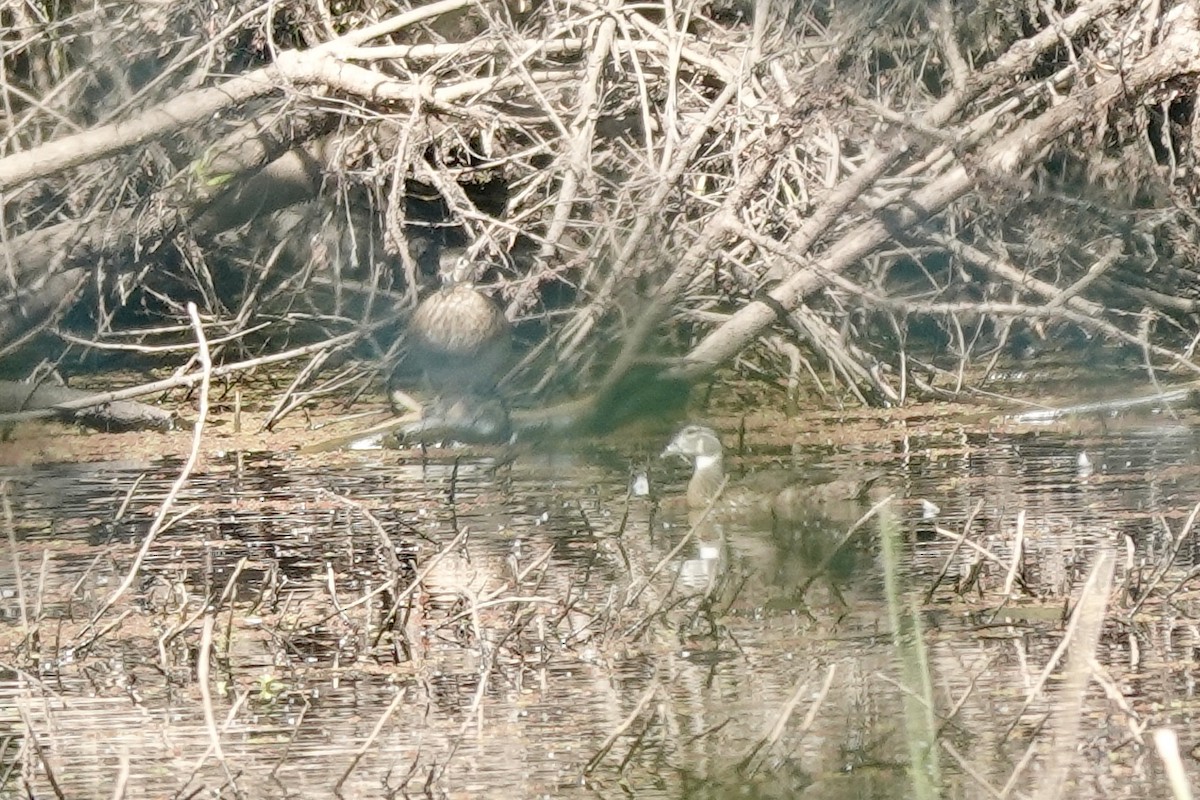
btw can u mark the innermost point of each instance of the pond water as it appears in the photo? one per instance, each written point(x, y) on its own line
point(462, 623)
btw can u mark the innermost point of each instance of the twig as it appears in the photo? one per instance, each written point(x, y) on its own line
point(785, 713)
point(185, 380)
point(1004, 157)
point(1093, 595)
point(122, 781)
point(203, 666)
point(1087, 621)
point(14, 555)
point(577, 157)
point(1166, 742)
point(157, 525)
point(370, 740)
point(623, 726)
point(987, 554)
point(315, 66)
point(31, 738)
point(823, 567)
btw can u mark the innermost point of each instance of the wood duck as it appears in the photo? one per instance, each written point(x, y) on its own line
point(781, 495)
point(458, 342)
point(459, 338)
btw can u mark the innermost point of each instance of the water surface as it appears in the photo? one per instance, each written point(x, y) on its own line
point(519, 624)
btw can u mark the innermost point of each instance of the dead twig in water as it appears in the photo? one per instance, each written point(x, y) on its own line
point(122, 781)
point(971, 770)
point(959, 542)
point(159, 523)
point(1166, 742)
point(203, 665)
point(31, 737)
point(623, 726)
point(823, 567)
point(785, 713)
point(404, 593)
point(18, 577)
point(1083, 635)
point(1090, 602)
point(229, 718)
point(1168, 560)
point(987, 554)
point(370, 740)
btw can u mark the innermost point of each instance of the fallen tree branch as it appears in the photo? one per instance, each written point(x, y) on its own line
point(179, 381)
point(24, 400)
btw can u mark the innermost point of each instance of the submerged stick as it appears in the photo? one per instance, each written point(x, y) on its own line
point(160, 519)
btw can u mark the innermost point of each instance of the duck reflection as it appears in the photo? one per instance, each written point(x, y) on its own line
point(707, 558)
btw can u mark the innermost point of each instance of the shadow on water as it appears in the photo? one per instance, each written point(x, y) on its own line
point(466, 625)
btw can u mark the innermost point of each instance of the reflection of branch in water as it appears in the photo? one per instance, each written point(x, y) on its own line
point(1105, 406)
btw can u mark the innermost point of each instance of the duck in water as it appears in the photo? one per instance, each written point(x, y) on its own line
point(811, 522)
point(781, 496)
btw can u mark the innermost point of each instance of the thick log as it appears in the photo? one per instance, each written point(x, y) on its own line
point(18, 398)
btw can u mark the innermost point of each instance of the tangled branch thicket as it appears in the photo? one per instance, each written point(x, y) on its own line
point(901, 189)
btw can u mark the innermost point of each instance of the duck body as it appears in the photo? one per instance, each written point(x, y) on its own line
point(702, 447)
point(460, 340)
point(779, 495)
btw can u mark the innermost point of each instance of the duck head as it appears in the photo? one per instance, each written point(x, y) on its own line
point(702, 447)
point(697, 444)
